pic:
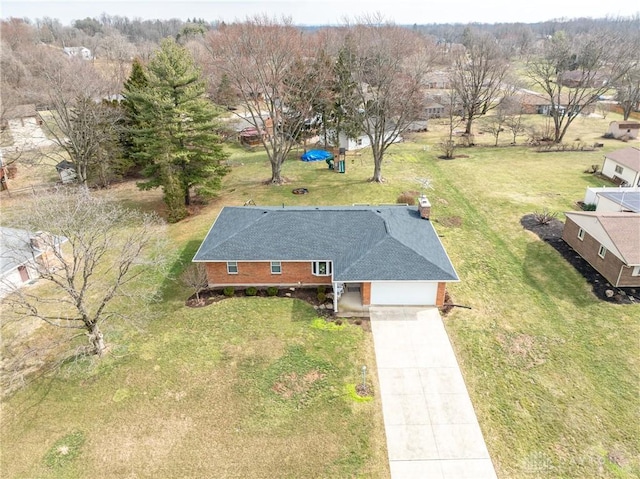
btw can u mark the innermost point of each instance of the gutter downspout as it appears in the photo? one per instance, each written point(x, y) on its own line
point(335, 296)
point(619, 275)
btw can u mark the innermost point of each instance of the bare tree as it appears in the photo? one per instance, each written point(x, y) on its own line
point(85, 127)
point(116, 48)
point(453, 110)
point(479, 75)
point(573, 74)
point(267, 63)
point(388, 65)
point(628, 91)
point(507, 114)
point(93, 251)
point(195, 277)
point(513, 120)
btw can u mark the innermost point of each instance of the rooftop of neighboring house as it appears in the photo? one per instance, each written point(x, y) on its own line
point(628, 200)
point(629, 157)
point(623, 229)
point(21, 111)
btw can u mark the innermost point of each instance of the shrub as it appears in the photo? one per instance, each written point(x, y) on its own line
point(589, 207)
point(272, 291)
point(229, 291)
point(544, 217)
point(251, 291)
point(322, 288)
point(321, 297)
point(407, 197)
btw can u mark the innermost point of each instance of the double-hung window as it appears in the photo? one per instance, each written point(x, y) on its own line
point(602, 251)
point(232, 267)
point(321, 268)
point(276, 267)
point(581, 234)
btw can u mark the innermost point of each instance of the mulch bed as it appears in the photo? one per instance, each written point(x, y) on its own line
point(552, 234)
point(310, 295)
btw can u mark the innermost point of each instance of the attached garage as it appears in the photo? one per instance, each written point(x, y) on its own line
point(404, 293)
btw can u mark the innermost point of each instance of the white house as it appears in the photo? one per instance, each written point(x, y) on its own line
point(80, 52)
point(611, 199)
point(624, 129)
point(22, 255)
point(623, 166)
point(352, 144)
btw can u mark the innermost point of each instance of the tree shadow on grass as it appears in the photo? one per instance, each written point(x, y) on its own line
point(171, 288)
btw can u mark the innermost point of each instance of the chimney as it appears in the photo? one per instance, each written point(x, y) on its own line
point(37, 241)
point(424, 207)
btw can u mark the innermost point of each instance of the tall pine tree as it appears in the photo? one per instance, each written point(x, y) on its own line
point(137, 81)
point(173, 129)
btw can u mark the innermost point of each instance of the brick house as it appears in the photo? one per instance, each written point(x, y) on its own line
point(608, 241)
point(386, 255)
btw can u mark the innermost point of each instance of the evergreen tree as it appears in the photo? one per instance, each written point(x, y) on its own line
point(174, 135)
point(137, 81)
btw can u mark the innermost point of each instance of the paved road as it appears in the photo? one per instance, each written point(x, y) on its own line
point(431, 427)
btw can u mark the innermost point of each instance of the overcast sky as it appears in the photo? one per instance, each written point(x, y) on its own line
point(325, 12)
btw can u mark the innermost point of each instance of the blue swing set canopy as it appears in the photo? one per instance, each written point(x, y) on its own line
point(317, 155)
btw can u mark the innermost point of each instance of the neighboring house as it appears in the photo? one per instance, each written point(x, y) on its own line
point(622, 200)
point(613, 199)
point(388, 255)
point(357, 143)
point(534, 103)
point(434, 110)
point(22, 254)
point(578, 78)
point(438, 80)
point(79, 52)
point(623, 166)
point(418, 126)
point(610, 242)
point(624, 129)
point(19, 115)
point(531, 103)
point(66, 171)
point(351, 144)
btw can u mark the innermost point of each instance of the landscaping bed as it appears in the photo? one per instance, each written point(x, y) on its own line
point(552, 234)
point(321, 301)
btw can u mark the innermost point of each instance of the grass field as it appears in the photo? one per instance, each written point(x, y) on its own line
point(552, 371)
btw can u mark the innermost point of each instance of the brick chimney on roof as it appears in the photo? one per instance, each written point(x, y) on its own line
point(424, 207)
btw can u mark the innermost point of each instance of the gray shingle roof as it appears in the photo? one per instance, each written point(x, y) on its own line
point(386, 243)
point(15, 249)
point(629, 157)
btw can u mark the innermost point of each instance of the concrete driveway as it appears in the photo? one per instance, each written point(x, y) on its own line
point(431, 427)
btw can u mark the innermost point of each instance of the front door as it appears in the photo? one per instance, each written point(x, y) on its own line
point(24, 273)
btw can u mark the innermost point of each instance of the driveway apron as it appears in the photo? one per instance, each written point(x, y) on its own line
point(431, 427)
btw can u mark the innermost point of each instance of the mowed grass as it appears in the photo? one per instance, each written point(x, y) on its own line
point(247, 387)
point(217, 392)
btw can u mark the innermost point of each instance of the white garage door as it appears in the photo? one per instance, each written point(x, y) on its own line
point(404, 293)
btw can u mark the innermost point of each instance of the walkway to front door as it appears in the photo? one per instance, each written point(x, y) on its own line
point(431, 427)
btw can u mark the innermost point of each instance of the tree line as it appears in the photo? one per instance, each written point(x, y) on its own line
point(154, 112)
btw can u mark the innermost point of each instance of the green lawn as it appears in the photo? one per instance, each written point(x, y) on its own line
point(247, 387)
point(221, 391)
